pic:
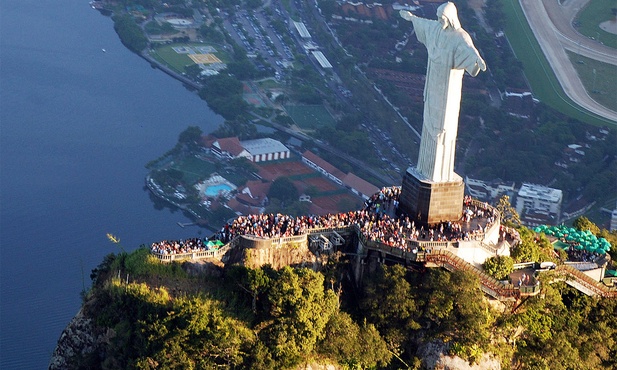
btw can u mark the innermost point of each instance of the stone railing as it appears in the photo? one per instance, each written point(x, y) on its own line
point(251, 241)
point(213, 253)
point(492, 211)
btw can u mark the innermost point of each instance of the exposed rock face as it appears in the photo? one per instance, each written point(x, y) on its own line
point(434, 356)
point(76, 339)
point(317, 366)
point(278, 258)
point(254, 254)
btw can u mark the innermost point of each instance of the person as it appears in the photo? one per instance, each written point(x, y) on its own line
point(450, 53)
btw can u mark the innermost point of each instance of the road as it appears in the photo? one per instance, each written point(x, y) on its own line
point(552, 25)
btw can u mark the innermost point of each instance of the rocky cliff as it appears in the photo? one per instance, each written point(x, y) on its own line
point(79, 338)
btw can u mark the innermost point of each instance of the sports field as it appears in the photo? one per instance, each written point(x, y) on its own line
point(194, 169)
point(321, 183)
point(538, 71)
point(180, 56)
point(310, 117)
point(595, 13)
point(599, 79)
point(292, 168)
point(204, 58)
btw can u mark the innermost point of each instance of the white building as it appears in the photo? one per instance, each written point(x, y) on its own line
point(328, 170)
point(266, 149)
point(302, 31)
point(539, 200)
point(487, 191)
point(321, 59)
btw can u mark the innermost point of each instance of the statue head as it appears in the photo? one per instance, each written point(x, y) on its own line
point(447, 16)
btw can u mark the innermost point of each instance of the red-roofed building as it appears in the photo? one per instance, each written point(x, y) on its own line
point(379, 12)
point(328, 170)
point(363, 10)
point(252, 198)
point(229, 147)
point(207, 141)
point(241, 209)
point(359, 186)
point(254, 193)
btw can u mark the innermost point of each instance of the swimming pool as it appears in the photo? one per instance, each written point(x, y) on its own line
point(214, 190)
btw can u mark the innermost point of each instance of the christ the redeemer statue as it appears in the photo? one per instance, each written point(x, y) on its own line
point(450, 53)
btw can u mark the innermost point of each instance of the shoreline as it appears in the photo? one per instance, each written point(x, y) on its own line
point(199, 221)
point(156, 65)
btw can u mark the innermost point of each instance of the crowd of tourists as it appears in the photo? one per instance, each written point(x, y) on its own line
point(582, 255)
point(191, 245)
point(376, 222)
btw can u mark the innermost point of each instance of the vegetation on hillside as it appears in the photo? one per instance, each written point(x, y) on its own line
point(161, 316)
point(130, 33)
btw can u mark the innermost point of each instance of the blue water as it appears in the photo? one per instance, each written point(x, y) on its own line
point(213, 190)
point(77, 126)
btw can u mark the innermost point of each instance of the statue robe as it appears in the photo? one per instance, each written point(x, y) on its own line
point(450, 53)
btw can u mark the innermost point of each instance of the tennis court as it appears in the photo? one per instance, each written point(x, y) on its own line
point(204, 58)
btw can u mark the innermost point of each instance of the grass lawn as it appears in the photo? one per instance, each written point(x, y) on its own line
point(310, 117)
point(537, 69)
point(269, 83)
point(603, 86)
point(596, 12)
point(194, 169)
point(178, 62)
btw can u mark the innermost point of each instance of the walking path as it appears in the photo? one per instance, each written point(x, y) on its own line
point(551, 23)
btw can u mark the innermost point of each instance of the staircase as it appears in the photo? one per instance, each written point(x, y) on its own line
point(584, 283)
point(488, 284)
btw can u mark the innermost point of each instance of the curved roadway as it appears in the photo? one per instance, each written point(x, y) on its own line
point(551, 23)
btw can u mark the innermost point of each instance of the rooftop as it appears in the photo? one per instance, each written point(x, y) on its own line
point(263, 146)
point(540, 192)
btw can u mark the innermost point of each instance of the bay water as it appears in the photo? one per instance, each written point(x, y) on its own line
point(80, 115)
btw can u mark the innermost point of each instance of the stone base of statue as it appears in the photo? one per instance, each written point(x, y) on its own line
point(428, 202)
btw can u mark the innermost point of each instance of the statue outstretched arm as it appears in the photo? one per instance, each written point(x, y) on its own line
point(406, 15)
point(478, 66)
point(481, 64)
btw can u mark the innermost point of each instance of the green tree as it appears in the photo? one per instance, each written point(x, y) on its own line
point(455, 308)
point(583, 224)
point(130, 33)
point(391, 305)
point(284, 190)
point(253, 281)
point(346, 342)
point(526, 250)
point(198, 334)
point(190, 137)
point(508, 213)
point(499, 267)
point(300, 308)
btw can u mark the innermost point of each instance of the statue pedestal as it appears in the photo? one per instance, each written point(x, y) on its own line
point(428, 202)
